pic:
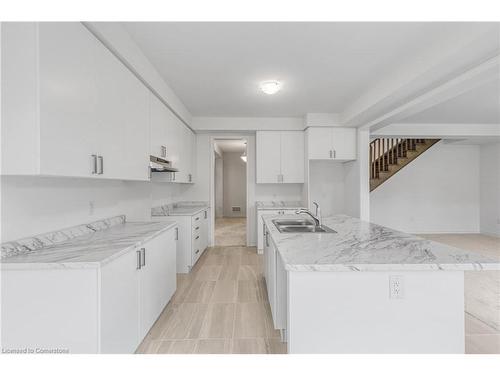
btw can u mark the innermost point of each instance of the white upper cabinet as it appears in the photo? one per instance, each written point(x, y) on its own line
point(171, 139)
point(68, 119)
point(160, 126)
point(280, 156)
point(123, 120)
point(71, 108)
point(331, 143)
point(268, 157)
point(292, 156)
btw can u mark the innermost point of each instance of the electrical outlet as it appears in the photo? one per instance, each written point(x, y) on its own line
point(91, 207)
point(396, 287)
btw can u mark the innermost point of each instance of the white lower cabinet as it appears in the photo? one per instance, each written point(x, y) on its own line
point(276, 282)
point(108, 309)
point(120, 305)
point(192, 238)
point(157, 280)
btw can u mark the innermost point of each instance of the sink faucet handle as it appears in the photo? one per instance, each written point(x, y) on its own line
point(317, 207)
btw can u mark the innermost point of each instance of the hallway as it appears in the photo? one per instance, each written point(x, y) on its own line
point(230, 231)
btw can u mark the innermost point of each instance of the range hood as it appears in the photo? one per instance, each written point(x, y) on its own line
point(160, 165)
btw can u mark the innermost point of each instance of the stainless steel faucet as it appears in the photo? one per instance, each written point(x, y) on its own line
point(317, 217)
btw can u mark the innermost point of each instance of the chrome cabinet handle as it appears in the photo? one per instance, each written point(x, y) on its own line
point(267, 238)
point(197, 228)
point(197, 251)
point(205, 214)
point(143, 263)
point(331, 153)
point(101, 165)
point(197, 237)
point(197, 218)
point(335, 154)
point(94, 164)
point(176, 234)
point(138, 260)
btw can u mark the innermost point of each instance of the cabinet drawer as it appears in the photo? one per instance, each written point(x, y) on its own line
point(197, 219)
point(196, 235)
point(197, 228)
point(197, 250)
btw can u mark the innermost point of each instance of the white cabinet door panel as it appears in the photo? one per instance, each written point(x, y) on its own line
point(123, 113)
point(344, 143)
point(68, 99)
point(292, 156)
point(268, 155)
point(120, 305)
point(319, 143)
point(155, 279)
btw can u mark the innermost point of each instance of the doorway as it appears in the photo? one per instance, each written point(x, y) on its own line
point(230, 192)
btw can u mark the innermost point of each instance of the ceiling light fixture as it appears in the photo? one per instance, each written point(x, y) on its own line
point(270, 87)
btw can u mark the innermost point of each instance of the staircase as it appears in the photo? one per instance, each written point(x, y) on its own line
point(389, 155)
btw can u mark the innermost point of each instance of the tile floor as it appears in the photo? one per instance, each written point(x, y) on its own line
point(221, 306)
point(230, 231)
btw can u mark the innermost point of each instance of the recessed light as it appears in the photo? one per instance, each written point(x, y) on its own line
point(270, 87)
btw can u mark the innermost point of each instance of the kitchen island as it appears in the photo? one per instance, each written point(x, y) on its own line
point(366, 289)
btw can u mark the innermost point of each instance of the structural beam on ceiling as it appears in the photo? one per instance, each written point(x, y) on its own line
point(438, 130)
point(472, 78)
point(422, 73)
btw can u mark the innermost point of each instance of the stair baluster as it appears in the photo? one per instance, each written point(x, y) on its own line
point(389, 155)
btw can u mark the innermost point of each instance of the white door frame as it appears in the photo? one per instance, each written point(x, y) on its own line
point(243, 136)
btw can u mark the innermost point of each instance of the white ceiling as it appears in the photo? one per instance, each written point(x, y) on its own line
point(231, 145)
point(215, 68)
point(480, 106)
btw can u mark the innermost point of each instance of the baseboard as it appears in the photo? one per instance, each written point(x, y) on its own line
point(497, 235)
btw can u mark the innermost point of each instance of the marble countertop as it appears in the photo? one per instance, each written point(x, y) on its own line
point(363, 246)
point(89, 250)
point(273, 205)
point(179, 209)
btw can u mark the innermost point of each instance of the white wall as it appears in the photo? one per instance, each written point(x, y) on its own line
point(489, 172)
point(437, 192)
point(326, 186)
point(163, 193)
point(278, 192)
point(235, 184)
point(219, 187)
point(35, 205)
point(357, 183)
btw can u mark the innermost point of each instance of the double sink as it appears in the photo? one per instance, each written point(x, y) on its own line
point(300, 226)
